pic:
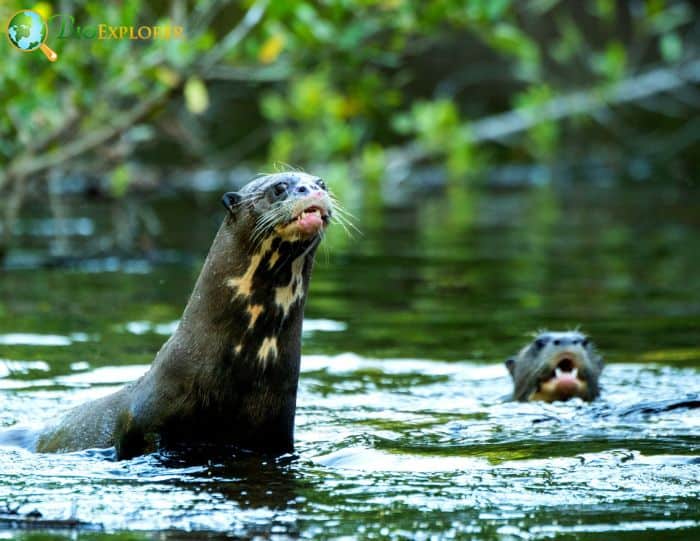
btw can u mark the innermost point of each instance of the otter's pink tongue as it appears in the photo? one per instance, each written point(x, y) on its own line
point(566, 382)
point(310, 221)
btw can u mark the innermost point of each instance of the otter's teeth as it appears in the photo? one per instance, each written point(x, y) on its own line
point(558, 372)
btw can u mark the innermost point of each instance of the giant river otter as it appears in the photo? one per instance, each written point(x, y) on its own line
point(556, 366)
point(228, 376)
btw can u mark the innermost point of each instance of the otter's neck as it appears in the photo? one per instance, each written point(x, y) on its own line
point(238, 344)
point(248, 294)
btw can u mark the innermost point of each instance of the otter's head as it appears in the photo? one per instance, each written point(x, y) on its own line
point(556, 366)
point(294, 206)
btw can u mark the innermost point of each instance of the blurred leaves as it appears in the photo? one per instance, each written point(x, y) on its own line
point(544, 135)
point(611, 63)
point(339, 83)
point(44, 9)
point(120, 179)
point(512, 41)
point(196, 96)
point(437, 127)
point(671, 47)
point(271, 49)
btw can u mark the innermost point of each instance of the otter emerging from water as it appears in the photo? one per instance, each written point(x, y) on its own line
point(228, 376)
point(556, 366)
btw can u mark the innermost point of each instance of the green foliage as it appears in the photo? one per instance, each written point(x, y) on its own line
point(544, 136)
point(510, 40)
point(120, 178)
point(196, 96)
point(437, 127)
point(611, 63)
point(90, 77)
point(671, 47)
point(329, 82)
point(373, 163)
point(317, 121)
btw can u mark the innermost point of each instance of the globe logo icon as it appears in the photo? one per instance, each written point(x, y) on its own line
point(27, 32)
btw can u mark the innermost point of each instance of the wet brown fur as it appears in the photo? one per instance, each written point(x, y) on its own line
point(207, 384)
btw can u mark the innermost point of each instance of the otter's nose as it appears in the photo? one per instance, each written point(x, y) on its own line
point(304, 189)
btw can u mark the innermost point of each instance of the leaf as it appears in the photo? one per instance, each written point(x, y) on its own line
point(119, 180)
point(671, 47)
point(271, 49)
point(167, 76)
point(273, 107)
point(612, 63)
point(44, 9)
point(196, 96)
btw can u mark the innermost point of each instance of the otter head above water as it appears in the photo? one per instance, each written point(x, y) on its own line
point(556, 366)
point(295, 207)
point(228, 376)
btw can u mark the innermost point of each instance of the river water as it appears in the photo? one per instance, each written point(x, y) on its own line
point(402, 430)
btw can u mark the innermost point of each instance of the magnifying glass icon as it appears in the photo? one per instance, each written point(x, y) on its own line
point(27, 32)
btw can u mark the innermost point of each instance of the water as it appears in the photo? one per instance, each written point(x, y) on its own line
point(402, 432)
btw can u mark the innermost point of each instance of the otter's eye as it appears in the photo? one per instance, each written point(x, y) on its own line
point(280, 188)
point(585, 342)
point(321, 184)
point(540, 343)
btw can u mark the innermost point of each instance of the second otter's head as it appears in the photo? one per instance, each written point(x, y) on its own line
point(556, 366)
point(294, 206)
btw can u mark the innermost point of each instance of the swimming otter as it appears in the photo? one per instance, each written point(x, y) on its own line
point(556, 366)
point(229, 373)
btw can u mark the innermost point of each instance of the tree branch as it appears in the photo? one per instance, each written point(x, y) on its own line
point(501, 126)
point(28, 163)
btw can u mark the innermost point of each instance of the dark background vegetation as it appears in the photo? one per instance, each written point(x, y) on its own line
point(379, 96)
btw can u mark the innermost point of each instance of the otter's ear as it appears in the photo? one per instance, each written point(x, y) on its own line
point(510, 365)
point(230, 200)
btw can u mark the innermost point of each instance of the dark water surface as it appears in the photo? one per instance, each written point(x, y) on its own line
point(401, 430)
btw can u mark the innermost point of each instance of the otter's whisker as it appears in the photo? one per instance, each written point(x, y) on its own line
point(344, 217)
point(346, 225)
point(324, 248)
point(262, 226)
point(269, 218)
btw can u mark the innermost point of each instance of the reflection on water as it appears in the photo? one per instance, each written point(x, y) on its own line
point(401, 429)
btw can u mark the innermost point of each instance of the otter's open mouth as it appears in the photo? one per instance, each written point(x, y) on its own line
point(312, 216)
point(565, 379)
point(305, 223)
